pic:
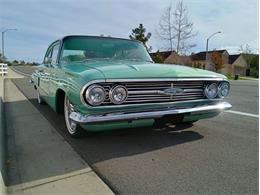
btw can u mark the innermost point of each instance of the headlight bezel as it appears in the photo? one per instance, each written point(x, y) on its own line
point(207, 88)
point(87, 95)
point(220, 89)
point(112, 90)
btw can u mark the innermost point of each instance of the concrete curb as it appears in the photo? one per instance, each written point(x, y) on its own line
point(3, 189)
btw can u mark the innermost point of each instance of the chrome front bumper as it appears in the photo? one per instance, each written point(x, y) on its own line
point(114, 117)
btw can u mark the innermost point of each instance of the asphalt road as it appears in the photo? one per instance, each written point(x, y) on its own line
point(215, 156)
point(24, 70)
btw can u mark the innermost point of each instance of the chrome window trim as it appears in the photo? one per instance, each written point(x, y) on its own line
point(49, 50)
point(141, 80)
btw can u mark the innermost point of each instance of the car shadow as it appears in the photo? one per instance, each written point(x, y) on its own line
point(107, 145)
point(101, 146)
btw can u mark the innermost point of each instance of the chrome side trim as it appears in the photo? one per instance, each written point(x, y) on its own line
point(114, 117)
point(139, 80)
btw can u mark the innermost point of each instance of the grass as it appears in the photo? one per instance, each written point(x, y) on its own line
point(239, 78)
point(230, 77)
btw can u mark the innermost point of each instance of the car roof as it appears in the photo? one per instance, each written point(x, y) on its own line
point(102, 37)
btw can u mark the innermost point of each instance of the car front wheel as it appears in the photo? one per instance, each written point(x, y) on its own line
point(73, 128)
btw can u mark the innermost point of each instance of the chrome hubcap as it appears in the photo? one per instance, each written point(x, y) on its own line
point(68, 108)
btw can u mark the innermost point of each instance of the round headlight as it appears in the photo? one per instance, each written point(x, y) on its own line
point(118, 94)
point(95, 95)
point(223, 89)
point(211, 91)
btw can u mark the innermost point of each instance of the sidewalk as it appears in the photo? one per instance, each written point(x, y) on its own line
point(40, 161)
point(2, 142)
point(3, 178)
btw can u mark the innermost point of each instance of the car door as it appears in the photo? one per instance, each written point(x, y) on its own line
point(43, 74)
point(54, 72)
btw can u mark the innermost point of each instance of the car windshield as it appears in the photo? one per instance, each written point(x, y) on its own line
point(102, 48)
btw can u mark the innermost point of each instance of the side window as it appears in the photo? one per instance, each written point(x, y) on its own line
point(47, 55)
point(55, 51)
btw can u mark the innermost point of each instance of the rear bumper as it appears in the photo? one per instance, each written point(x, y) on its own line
point(127, 116)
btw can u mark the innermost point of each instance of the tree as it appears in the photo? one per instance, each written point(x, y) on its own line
point(139, 34)
point(15, 62)
point(217, 60)
point(248, 55)
point(2, 58)
point(254, 66)
point(165, 30)
point(176, 28)
point(157, 57)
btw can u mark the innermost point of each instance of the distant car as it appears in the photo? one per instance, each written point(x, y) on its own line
point(101, 83)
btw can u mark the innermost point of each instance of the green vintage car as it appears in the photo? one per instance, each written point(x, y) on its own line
point(102, 83)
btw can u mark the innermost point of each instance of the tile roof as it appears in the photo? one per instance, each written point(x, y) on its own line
point(233, 58)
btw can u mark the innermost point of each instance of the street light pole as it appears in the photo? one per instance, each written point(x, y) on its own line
point(3, 47)
point(207, 46)
point(3, 51)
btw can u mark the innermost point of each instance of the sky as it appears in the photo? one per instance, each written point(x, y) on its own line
point(40, 22)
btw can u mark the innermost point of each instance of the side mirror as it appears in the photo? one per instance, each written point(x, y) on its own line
point(47, 60)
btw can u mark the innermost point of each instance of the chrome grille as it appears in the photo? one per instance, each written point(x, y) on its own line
point(152, 92)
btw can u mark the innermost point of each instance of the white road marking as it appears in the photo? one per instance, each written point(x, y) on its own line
point(243, 113)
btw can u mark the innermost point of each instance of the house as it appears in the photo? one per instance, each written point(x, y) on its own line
point(174, 58)
point(232, 64)
point(237, 65)
point(199, 59)
point(171, 57)
point(163, 54)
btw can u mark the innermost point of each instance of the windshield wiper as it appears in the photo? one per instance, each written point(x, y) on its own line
point(96, 59)
point(91, 59)
point(139, 60)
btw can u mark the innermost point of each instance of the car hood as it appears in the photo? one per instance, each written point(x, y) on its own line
point(130, 70)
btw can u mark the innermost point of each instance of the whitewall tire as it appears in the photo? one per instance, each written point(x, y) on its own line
point(73, 128)
point(39, 99)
